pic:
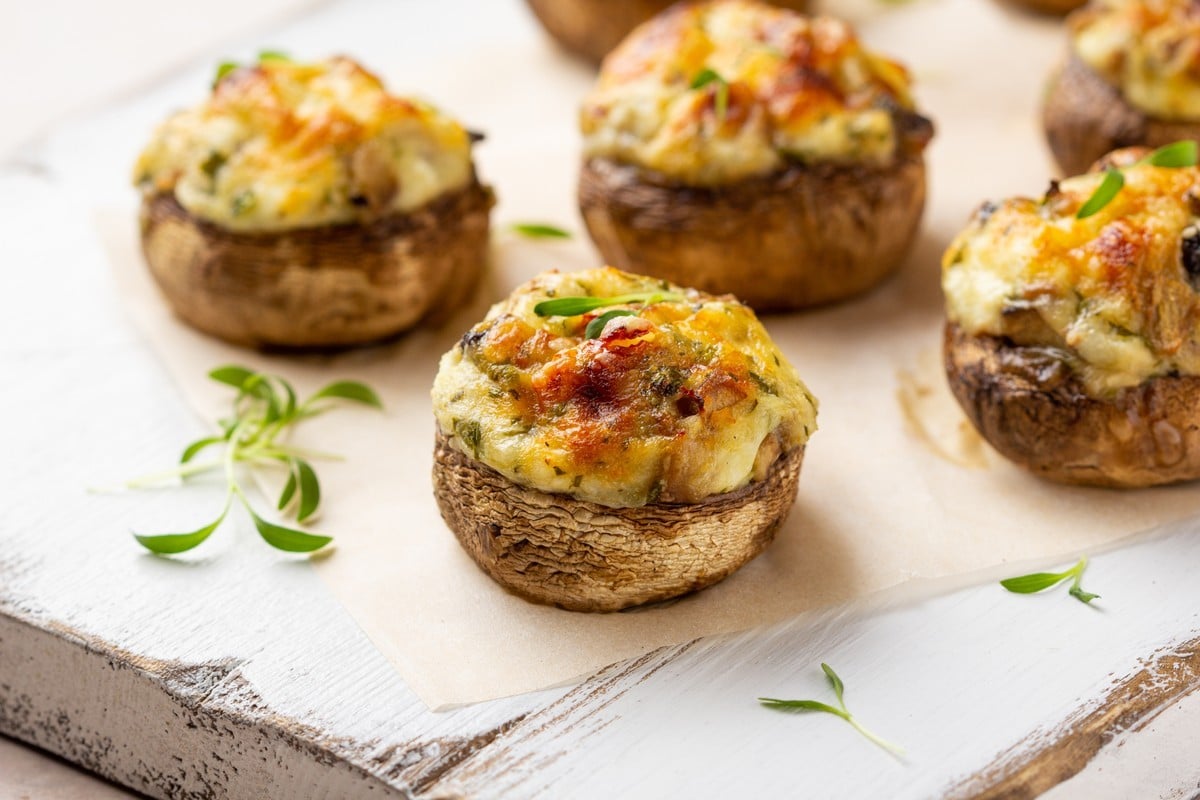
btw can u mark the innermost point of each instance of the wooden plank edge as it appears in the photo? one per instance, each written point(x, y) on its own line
point(156, 727)
point(1047, 758)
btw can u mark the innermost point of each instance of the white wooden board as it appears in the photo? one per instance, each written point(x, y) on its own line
point(240, 677)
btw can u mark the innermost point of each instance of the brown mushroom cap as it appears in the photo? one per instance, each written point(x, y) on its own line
point(581, 556)
point(1055, 8)
point(592, 28)
point(803, 236)
point(318, 287)
point(1085, 117)
point(1030, 405)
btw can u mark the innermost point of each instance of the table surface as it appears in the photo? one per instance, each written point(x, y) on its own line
point(101, 647)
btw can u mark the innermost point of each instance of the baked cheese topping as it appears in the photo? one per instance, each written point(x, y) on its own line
point(1148, 49)
point(282, 144)
point(1114, 292)
point(684, 398)
point(790, 88)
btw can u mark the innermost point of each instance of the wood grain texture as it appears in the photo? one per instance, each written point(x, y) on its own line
point(1025, 772)
point(255, 639)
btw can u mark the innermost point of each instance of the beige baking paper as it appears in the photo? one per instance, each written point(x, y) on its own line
point(895, 486)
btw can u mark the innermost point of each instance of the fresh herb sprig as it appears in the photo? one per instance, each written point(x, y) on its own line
point(1171, 156)
point(574, 306)
point(721, 99)
point(596, 326)
point(264, 408)
point(1038, 581)
point(840, 711)
point(539, 230)
point(226, 67)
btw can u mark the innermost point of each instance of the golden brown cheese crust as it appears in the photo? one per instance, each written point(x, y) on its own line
point(1148, 49)
point(686, 399)
point(1115, 292)
point(792, 88)
point(282, 145)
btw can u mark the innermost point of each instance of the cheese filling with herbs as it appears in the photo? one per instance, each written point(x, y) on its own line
point(683, 397)
point(718, 92)
point(282, 144)
point(1149, 49)
point(1113, 293)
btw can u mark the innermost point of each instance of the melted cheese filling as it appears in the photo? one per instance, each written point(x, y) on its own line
point(1110, 292)
point(791, 88)
point(1149, 49)
point(682, 400)
point(283, 145)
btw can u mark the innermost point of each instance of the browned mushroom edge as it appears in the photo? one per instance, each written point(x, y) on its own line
point(1085, 117)
point(328, 286)
point(592, 28)
point(812, 234)
point(582, 556)
point(1031, 407)
point(1054, 8)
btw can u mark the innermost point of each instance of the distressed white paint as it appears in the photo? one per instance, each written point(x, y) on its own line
point(956, 679)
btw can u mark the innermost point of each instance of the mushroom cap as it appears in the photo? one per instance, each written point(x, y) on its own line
point(592, 28)
point(582, 556)
point(1085, 117)
point(1029, 404)
point(326, 286)
point(1055, 8)
point(814, 233)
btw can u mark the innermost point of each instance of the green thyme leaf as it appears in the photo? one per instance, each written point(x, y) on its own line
point(1079, 594)
point(721, 98)
point(574, 306)
point(803, 705)
point(1039, 581)
point(243, 202)
point(289, 488)
point(310, 490)
point(539, 230)
point(835, 682)
point(264, 408)
point(195, 447)
point(1104, 194)
point(816, 705)
point(471, 434)
point(170, 543)
point(1035, 582)
point(223, 69)
point(349, 390)
point(1175, 155)
point(289, 540)
point(704, 77)
point(231, 375)
point(212, 165)
point(596, 326)
point(1172, 156)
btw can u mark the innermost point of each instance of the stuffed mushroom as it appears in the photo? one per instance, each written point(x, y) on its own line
point(606, 440)
point(729, 135)
point(301, 205)
point(1131, 77)
point(1073, 332)
point(592, 28)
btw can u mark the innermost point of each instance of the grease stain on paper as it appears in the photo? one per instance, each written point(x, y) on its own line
point(933, 417)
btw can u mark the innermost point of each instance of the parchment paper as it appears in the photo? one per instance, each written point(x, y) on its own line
point(894, 486)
